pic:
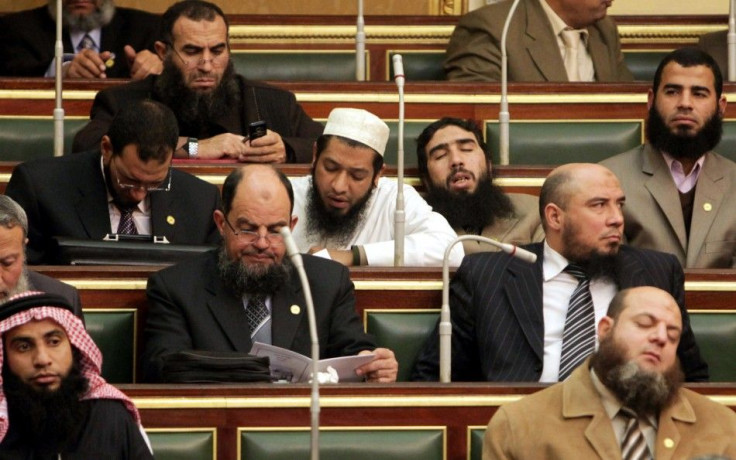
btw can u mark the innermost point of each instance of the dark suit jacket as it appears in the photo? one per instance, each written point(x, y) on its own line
point(474, 51)
point(43, 283)
point(67, 196)
point(28, 39)
point(498, 323)
point(716, 44)
point(258, 101)
point(191, 309)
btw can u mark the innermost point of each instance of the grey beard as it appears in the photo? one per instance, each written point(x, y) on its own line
point(22, 285)
point(99, 18)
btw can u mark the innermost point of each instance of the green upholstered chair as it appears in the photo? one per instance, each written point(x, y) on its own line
point(404, 332)
point(715, 333)
point(727, 147)
point(322, 65)
point(182, 444)
point(643, 63)
point(26, 138)
point(114, 332)
point(361, 443)
point(475, 441)
point(419, 65)
point(553, 142)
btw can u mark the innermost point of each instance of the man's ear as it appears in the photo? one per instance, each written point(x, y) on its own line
point(219, 219)
point(605, 325)
point(106, 148)
point(160, 48)
point(292, 224)
point(553, 215)
point(378, 176)
point(314, 153)
point(650, 99)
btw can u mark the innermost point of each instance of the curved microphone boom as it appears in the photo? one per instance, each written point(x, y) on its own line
point(58, 109)
point(731, 37)
point(360, 45)
point(399, 214)
point(296, 259)
point(503, 114)
point(445, 326)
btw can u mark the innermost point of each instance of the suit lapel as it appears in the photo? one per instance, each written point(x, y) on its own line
point(709, 191)
point(91, 203)
point(163, 215)
point(662, 187)
point(524, 294)
point(667, 432)
point(541, 44)
point(285, 320)
point(599, 54)
point(229, 313)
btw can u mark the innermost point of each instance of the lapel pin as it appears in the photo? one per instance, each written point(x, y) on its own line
point(707, 207)
point(170, 220)
point(669, 443)
point(111, 61)
point(295, 310)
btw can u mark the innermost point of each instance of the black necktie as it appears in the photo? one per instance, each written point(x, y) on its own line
point(126, 225)
point(256, 312)
point(633, 444)
point(578, 338)
point(86, 43)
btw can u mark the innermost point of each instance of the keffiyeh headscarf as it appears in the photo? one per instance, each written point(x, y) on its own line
point(30, 306)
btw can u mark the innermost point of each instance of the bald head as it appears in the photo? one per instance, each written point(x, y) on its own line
point(264, 180)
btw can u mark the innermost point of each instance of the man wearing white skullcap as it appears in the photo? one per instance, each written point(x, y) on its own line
point(346, 209)
point(53, 401)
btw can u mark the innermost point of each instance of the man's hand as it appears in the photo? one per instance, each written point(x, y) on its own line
point(343, 256)
point(382, 369)
point(267, 149)
point(143, 63)
point(88, 64)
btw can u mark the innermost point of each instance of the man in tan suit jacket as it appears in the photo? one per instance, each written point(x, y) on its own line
point(715, 44)
point(677, 189)
point(455, 168)
point(635, 368)
point(474, 51)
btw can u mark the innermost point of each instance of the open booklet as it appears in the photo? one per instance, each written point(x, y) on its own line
point(296, 368)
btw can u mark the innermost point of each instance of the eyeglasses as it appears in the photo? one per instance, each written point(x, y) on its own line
point(217, 60)
point(163, 186)
point(250, 237)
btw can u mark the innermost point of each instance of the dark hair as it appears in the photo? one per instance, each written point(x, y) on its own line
point(553, 191)
point(426, 135)
point(690, 57)
point(324, 140)
point(196, 10)
point(233, 180)
point(149, 125)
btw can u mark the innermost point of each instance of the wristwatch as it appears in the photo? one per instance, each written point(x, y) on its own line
point(192, 147)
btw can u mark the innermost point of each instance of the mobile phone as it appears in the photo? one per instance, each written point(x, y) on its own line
point(257, 129)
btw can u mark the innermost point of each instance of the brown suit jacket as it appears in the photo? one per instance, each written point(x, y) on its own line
point(523, 228)
point(474, 51)
point(653, 214)
point(568, 420)
point(716, 45)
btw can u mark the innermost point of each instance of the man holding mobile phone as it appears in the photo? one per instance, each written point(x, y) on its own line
point(214, 106)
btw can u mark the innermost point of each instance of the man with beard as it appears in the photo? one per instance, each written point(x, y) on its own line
point(515, 321)
point(455, 168)
point(54, 403)
point(246, 291)
point(626, 401)
point(348, 209)
point(14, 276)
point(100, 41)
point(213, 105)
point(676, 185)
point(125, 186)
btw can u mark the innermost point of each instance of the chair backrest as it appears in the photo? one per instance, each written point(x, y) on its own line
point(182, 444)
point(317, 65)
point(403, 331)
point(727, 146)
point(419, 65)
point(715, 332)
point(114, 332)
point(552, 142)
point(26, 138)
point(643, 63)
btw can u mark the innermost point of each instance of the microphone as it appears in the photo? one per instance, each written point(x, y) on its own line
point(360, 45)
point(731, 37)
point(58, 109)
point(445, 326)
point(503, 114)
point(399, 214)
point(296, 259)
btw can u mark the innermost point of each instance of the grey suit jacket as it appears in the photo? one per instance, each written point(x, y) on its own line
point(498, 321)
point(715, 44)
point(66, 196)
point(43, 283)
point(474, 51)
point(653, 214)
point(191, 309)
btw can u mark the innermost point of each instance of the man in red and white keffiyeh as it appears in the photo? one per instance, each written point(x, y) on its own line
point(53, 400)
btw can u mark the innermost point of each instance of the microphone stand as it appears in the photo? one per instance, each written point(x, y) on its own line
point(58, 109)
point(360, 45)
point(296, 259)
point(445, 326)
point(503, 114)
point(731, 37)
point(399, 215)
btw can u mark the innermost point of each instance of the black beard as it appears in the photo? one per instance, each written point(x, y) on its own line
point(243, 280)
point(98, 18)
point(595, 264)
point(471, 211)
point(683, 145)
point(51, 421)
point(330, 224)
point(196, 110)
point(644, 392)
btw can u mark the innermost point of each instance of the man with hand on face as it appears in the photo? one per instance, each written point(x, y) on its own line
point(100, 41)
point(515, 321)
point(213, 105)
point(625, 401)
point(247, 291)
point(53, 401)
point(455, 168)
point(347, 209)
point(125, 186)
point(677, 187)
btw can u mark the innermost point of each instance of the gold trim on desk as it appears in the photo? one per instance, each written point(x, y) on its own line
point(721, 286)
point(397, 285)
point(125, 284)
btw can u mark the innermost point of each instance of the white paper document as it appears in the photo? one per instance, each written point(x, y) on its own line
point(297, 368)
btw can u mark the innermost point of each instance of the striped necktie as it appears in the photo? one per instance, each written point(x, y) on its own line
point(127, 225)
point(578, 338)
point(633, 444)
point(86, 43)
point(256, 312)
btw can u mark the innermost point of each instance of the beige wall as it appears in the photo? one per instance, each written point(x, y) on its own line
point(401, 7)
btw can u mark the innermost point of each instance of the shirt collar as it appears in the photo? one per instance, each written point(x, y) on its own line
point(678, 174)
point(610, 402)
point(558, 25)
point(553, 263)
